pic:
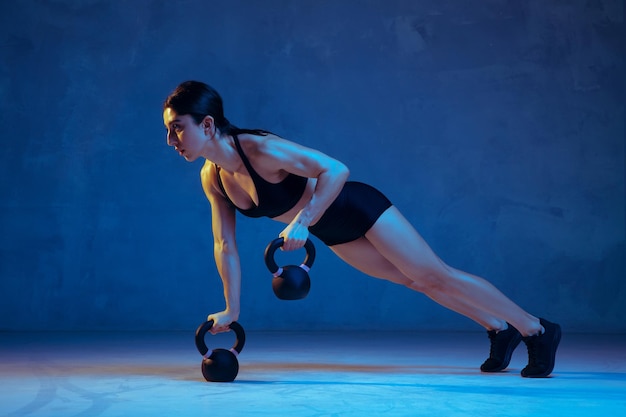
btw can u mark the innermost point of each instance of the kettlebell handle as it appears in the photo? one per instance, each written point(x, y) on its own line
point(202, 330)
point(279, 242)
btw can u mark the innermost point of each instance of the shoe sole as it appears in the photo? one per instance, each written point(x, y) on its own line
point(556, 340)
point(507, 356)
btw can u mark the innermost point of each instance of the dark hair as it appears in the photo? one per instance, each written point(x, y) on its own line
point(199, 100)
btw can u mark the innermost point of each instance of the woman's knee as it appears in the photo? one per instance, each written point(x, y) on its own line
point(432, 281)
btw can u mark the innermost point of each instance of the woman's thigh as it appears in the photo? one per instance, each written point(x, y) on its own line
point(396, 240)
point(362, 255)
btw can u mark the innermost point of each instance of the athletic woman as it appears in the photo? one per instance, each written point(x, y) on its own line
point(260, 174)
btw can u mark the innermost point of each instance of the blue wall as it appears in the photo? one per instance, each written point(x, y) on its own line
point(496, 126)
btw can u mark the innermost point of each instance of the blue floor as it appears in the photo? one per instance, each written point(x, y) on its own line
point(303, 374)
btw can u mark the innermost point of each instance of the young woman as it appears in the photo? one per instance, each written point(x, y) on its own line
point(262, 175)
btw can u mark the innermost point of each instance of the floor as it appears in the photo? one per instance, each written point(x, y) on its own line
point(303, 374)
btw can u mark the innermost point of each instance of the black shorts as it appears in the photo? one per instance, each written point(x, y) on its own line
point(351, 215)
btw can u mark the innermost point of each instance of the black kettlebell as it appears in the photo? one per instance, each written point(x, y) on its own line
point(222, 364)
point(290, 282)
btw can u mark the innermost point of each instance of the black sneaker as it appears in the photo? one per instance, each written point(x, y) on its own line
point(542, 351)
point(503, 343)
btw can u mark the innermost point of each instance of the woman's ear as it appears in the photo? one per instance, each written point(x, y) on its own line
point(208, 124)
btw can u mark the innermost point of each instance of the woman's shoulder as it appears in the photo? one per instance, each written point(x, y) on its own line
point(207, 169)
point(210, 181)
point(255, 145)
point(208, 176)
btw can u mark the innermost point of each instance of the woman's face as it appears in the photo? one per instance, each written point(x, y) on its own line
point(184, 134)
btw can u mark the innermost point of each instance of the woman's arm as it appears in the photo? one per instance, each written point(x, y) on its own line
point(224, 250)
point(330, 173)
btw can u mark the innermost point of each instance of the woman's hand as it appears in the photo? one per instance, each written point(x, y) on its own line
point(221, 321)
point(295, 235)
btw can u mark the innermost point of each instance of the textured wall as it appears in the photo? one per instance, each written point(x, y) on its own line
point(496, 126)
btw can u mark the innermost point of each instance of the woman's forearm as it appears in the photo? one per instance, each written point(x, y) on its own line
point(228, 266)
point(328, 186)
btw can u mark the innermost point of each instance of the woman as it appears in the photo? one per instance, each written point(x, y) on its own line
point(262, 175)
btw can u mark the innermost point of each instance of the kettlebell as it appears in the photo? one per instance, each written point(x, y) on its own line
point(290, 282)
point(222, 364)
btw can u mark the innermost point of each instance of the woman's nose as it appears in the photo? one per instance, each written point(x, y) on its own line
point(171, 139)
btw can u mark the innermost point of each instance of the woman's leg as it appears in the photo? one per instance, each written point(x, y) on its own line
point(396, 240)
point(365, 257)
point(394, 244)
point(393, 250)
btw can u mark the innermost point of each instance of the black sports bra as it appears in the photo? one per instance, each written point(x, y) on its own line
point(274, 199)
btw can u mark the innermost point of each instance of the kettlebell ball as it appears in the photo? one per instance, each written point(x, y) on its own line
point(222, 364)
point(290, 282)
